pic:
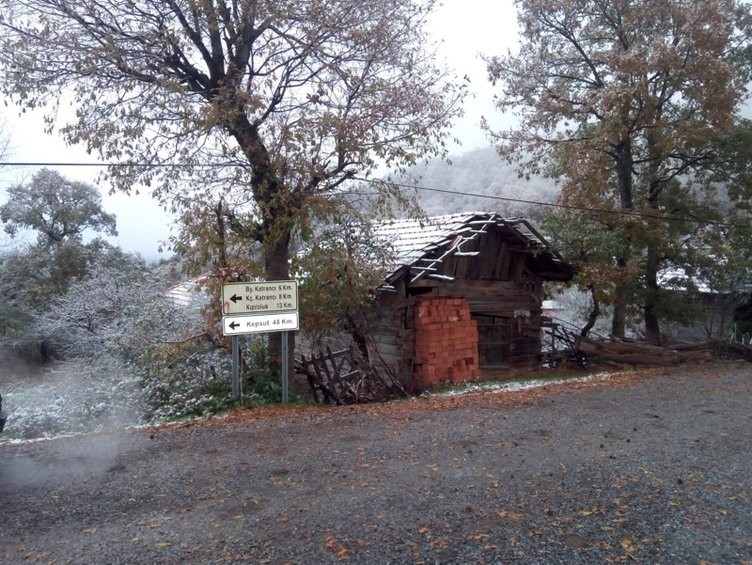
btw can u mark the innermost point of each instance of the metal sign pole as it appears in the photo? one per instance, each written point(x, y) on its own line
point(235, 367)
point(285, 367)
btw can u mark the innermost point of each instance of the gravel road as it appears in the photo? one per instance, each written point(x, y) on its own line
point(654, 466)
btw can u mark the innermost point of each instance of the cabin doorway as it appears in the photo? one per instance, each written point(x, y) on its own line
point(501, 345)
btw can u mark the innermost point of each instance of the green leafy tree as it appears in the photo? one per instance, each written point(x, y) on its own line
point(86, 320)
point(275, 103)
point(727, 268)
point(340, 271)
point(59, 211)
point(621, 99)
point(119, 324)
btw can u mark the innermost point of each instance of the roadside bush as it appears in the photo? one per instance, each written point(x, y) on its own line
point(259, 384)
point(181, 380)
point(178, 386)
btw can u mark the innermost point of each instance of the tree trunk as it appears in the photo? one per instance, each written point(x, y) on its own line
point(275, 229)
point(221, 230)
point(277, 268)
point(619, 320)
point(652, 328)
point(624, 164)
point(594, 313)
point(652, 260)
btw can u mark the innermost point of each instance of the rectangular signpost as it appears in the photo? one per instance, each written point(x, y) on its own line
point(260, 307)
point(259, 298)
point(260, 323)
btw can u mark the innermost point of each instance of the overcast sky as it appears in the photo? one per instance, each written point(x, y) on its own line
point(463, 28)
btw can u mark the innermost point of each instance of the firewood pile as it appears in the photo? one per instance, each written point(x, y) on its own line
point(732, 350)
point(626, 353)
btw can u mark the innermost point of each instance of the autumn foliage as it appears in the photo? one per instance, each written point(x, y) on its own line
point(623, 101)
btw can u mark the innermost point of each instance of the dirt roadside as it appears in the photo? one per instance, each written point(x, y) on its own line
point(653, 466)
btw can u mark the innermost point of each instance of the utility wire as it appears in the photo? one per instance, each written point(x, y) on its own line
point(626, 213)
point(142, 165)
point(556, 205)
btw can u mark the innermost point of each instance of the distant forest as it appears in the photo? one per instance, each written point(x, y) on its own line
point(480, 171)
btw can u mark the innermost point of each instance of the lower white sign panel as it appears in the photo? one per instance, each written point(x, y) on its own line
point(260, 323)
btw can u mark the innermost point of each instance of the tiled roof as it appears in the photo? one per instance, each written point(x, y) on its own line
point(412, 240)
point(677, 279)
point(187, 292)
point(421, 244)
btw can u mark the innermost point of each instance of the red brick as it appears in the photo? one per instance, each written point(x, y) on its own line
point(446, 342)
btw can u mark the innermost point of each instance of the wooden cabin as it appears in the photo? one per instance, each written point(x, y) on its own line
point(464, 297)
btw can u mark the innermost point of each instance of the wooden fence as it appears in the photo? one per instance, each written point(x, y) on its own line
point(346, 377)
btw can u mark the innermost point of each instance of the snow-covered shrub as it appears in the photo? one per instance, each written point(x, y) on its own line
point(75, 396)
point(176, 386)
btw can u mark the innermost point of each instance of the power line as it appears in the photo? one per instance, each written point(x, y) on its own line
point(559, 205)
point(139, 165)
point(403, 185)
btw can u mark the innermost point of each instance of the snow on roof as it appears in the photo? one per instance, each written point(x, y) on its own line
point(187, 292)
point(411, 240)
point(677, 279)
point(552, 305)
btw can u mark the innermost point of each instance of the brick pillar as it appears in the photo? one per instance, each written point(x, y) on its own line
point(446, 342)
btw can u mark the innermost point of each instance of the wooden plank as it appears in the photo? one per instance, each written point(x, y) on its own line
point(342, 355)
point(333, 374)
point(322, 368)
point(518, 266)
point(315, 377)
point(309, 377)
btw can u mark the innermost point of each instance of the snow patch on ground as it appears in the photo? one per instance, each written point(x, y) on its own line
point(71, 399)
point(516, 385)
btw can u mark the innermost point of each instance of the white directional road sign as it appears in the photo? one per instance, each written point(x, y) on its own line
point(265, 297)
point(260, 323)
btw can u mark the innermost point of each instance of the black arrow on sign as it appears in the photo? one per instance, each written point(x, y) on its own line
point(234, 325)
point(236, 298)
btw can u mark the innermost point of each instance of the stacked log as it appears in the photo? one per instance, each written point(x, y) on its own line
point(636, 353)
point(732, 350)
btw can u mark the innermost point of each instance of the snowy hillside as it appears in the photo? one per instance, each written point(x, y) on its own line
point(481, 172)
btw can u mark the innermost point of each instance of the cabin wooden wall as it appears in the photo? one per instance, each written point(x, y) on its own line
point(392, 336)
point(502, 290)
point(507, 316)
